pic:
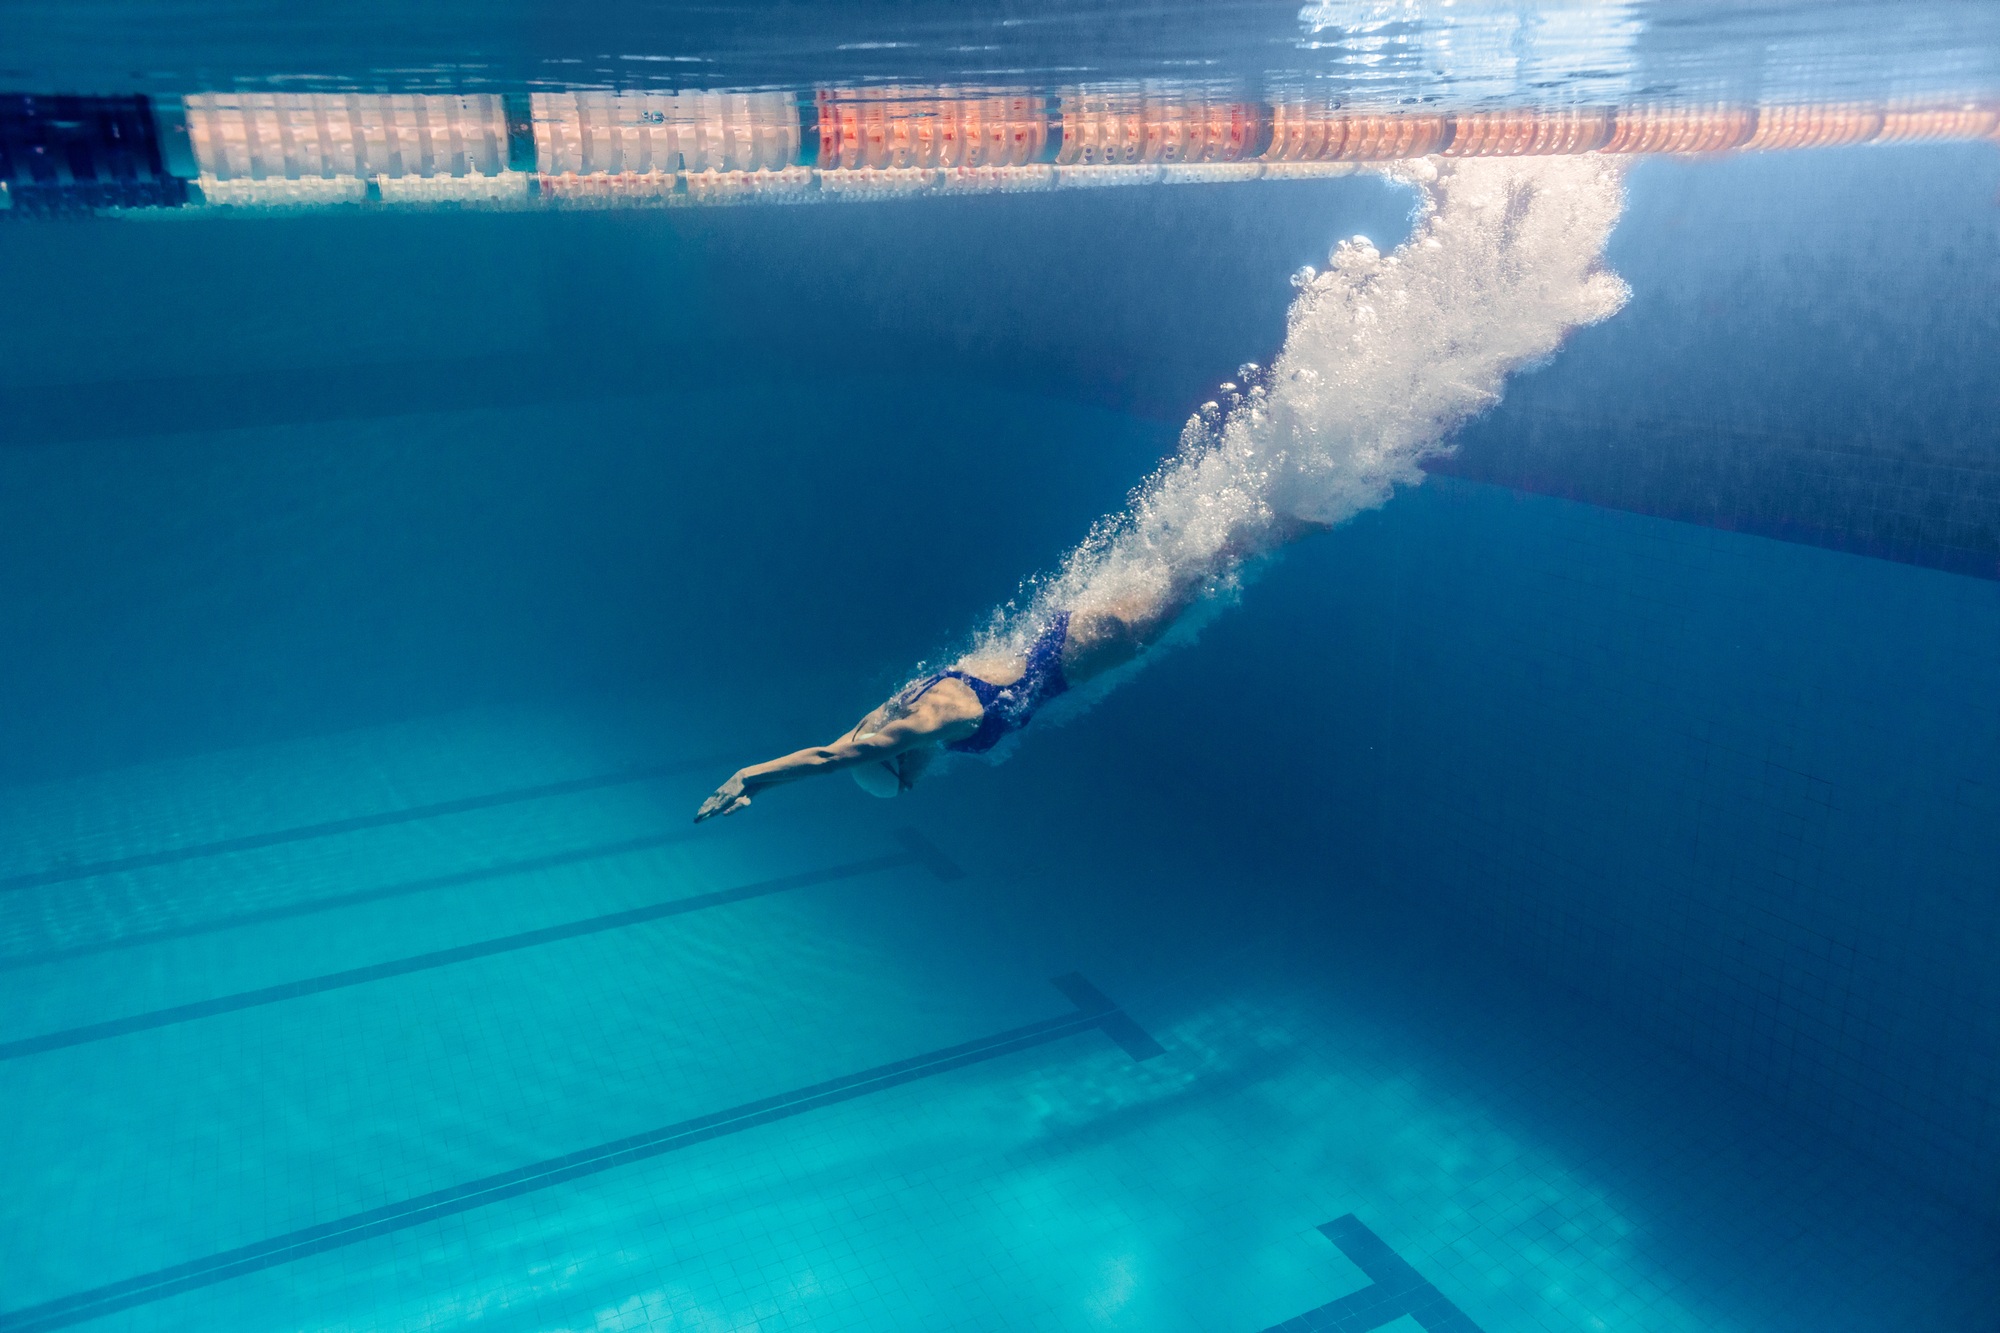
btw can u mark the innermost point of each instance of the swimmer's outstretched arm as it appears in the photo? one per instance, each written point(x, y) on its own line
point(735, 794)
point(935, 720)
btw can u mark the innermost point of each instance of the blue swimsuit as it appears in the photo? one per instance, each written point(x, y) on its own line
point(1008, 707)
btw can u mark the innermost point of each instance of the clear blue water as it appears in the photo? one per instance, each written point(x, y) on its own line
point(1579, 870)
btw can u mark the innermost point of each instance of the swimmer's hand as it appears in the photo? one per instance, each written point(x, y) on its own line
point(728, 799)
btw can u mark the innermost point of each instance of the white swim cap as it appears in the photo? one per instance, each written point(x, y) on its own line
point(879, 779)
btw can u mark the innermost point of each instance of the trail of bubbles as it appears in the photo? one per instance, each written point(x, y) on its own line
point(1384, 357)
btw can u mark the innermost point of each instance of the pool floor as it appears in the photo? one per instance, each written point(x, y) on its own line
point(460, 1022)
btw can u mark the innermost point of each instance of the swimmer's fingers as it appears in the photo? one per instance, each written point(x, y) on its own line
point(725, 801)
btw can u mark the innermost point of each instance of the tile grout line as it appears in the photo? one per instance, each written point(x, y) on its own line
point(162, 1283)
point(380, 819)
point(357, 976)
point(308, 907)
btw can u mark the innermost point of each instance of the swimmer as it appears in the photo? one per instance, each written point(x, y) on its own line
point(968, 707)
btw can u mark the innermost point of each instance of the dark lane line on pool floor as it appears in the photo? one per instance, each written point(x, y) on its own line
point(64, 874)
point(464, 953)
point(380, 893)
point(1093, 1011)
point(1395, 1289)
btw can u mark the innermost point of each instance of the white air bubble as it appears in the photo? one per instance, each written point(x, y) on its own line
point(1381, 363)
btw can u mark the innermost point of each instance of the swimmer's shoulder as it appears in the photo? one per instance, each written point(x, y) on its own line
point(948, 699)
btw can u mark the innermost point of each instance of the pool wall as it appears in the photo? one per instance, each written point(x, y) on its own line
point(1745, 793)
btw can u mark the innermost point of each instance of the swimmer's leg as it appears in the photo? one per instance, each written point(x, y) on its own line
point(1109, 635)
